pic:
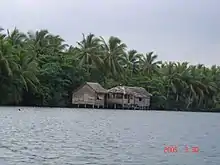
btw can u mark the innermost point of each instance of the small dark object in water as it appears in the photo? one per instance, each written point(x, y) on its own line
point(19, 109)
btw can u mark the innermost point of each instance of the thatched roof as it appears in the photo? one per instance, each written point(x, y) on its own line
point(136, 91)
point(120, 89)
point(97, 87)
point(140, 90)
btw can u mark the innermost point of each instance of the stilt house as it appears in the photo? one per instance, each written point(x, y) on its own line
point(89, 94)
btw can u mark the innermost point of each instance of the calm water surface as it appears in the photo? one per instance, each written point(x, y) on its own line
point(50, 136)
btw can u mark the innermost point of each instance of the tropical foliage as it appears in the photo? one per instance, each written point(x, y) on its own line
point(39, 68)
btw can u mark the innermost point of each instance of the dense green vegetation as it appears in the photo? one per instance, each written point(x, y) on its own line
point(39, 68)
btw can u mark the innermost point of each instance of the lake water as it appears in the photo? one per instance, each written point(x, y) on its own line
point(55, 136)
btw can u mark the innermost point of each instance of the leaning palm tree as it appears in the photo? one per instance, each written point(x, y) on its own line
point(17, 67)
point(27, 70)
point(7, 57)
point(2, 35)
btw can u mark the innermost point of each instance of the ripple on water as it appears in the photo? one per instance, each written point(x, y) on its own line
point(68, 137)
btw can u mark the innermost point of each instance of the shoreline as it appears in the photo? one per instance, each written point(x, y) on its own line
point(165, 110)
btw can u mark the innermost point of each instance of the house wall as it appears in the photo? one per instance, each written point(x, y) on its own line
point(138, 102)
point(101, 100)
point(147, 101)
point(120, 100)
point(114, 101)
point(144, 101)
point(86, 95)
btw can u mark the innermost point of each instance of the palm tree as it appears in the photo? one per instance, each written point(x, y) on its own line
point(88, 51)
point(38, 42)
point(132, 61)
point(113, 52)
point(149, 63)
point(24, 76)
point(27, 70)
point(5, 57)
point(16, 38)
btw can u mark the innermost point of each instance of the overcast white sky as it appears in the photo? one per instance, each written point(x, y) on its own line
point(177, 30)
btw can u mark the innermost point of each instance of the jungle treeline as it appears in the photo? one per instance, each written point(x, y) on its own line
point(40, 69)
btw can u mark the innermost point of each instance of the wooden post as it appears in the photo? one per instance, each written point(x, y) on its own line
point(122, 101)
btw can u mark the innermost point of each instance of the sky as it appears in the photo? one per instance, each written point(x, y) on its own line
point(176, 30)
